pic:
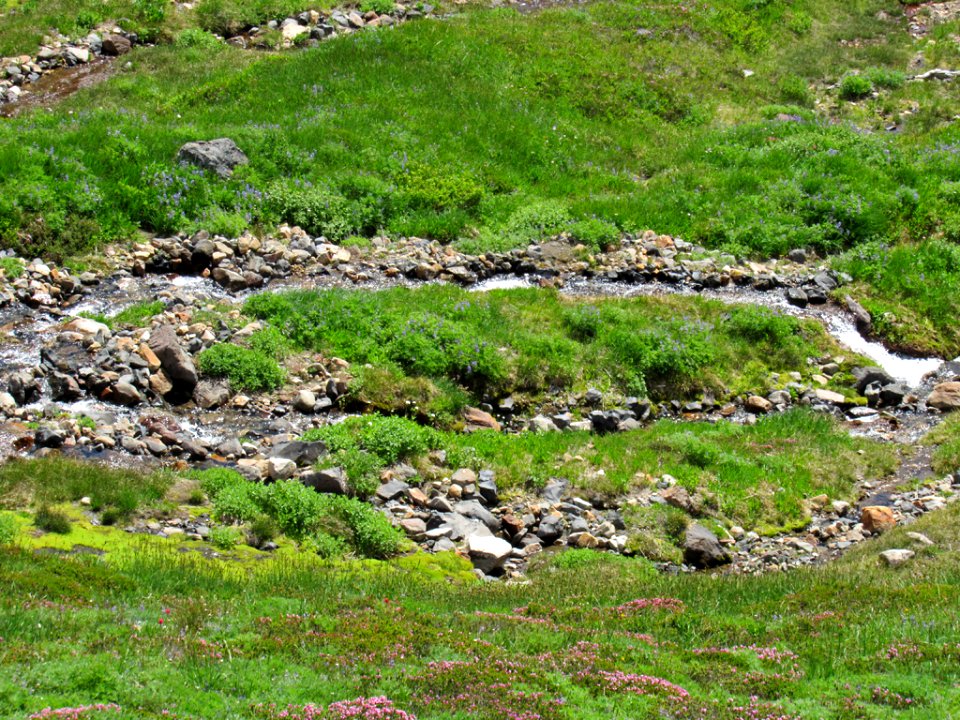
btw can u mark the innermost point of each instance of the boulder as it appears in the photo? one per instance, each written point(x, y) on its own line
point(125, 394)
point(475, 511)
point(896, 557)
point(220, 156)
point(477, 419)
point(88, 328)
point(877, 518)
point(305, 401)
point(702, 549)
point(174, 360)
point(300, 452)
point(279, 468)
point(758, 405)
point(945, 396)
point(868, 375)
point(391, 490)
point(829, 396)
point(488, 553)
point(330, 480)
point(115, 45)
point(210, 394)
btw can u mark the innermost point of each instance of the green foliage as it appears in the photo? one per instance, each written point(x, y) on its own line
point(51, 520)
point(215, 480)
point(239, 501)
point(196, 38)
point(58, 479)
point(855, 87)
point(270, 342)
point(886, 78)
point(262, 530)
point(760, 324)
point(381, 7)
point(363, 446)
point(224, 538)
point(12, 267)
point(246, 369)
point(8, 529)
point(395, 438)
point(595, 233)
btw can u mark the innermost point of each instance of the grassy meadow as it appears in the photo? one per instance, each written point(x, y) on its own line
point(756, 127)
point(154, 633)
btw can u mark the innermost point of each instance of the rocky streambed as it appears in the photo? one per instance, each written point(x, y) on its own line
point(133, 396)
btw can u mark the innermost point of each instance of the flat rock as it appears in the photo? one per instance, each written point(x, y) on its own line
point(896, 557)
point(488, 553)
point(945, 396)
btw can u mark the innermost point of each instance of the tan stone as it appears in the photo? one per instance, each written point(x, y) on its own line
point(945, 396)
point(479, 420)
point(757, 404)
point(876, 518)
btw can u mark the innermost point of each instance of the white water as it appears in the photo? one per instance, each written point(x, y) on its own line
point(906, 369)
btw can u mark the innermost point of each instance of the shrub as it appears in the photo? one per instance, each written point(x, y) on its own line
point(373, 534)
point(296, 508)
point(224, 538)
point(8, 529)
point(12, 267)
point(855, 87)
point(270, 342)
point(325, 545)
point(595, 233)
point(381, 7)
point(196, 38)
point(396, 438)
point(239, 502)
point(887, 79)
point(794, 90)
point(760, 324)
point(214, 480)
point(50, 520)
point(582, 322)
point(262, 530)
point(246, 369)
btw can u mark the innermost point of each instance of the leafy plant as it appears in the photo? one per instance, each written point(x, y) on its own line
point(246, 369)
point(51, 520)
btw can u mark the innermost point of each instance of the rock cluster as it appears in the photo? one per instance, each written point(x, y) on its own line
point(312, 26)
point(17, 74)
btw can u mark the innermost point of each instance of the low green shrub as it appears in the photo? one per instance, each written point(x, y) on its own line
point(262, 530)
point(12, 267)
point(196, 38)
point(855, 87)
point(595, 233)
point(8, 529)
point(246, 369)
point(51, 520)
point(225, 538)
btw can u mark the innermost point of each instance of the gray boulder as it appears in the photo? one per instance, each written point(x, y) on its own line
point(488, 553)
point(702, 549)
point(176, 363)
point(220, 156)
point(330, 480)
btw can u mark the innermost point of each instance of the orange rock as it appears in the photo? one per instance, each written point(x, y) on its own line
point(877, 518)
point(479, 420)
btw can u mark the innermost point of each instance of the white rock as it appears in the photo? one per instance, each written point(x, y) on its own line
point(919, 538)
point(280, 468)
point(87, 328)
point(896, 557)
point(488, 553)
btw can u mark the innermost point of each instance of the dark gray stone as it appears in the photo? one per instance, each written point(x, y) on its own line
point(220, 156)
point(176, 363)
point(702, 549)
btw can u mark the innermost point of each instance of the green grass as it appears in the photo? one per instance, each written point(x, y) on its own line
point(945, 437)
point(246, 368)
point(205, 638)
point(562, 121)
point(434, 347)
point(135, 315)
point(58, 479)
point(754, 476)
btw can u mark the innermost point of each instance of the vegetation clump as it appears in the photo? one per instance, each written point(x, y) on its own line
point(246, 368)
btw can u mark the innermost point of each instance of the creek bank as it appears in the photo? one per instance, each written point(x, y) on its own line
point(145, 402)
